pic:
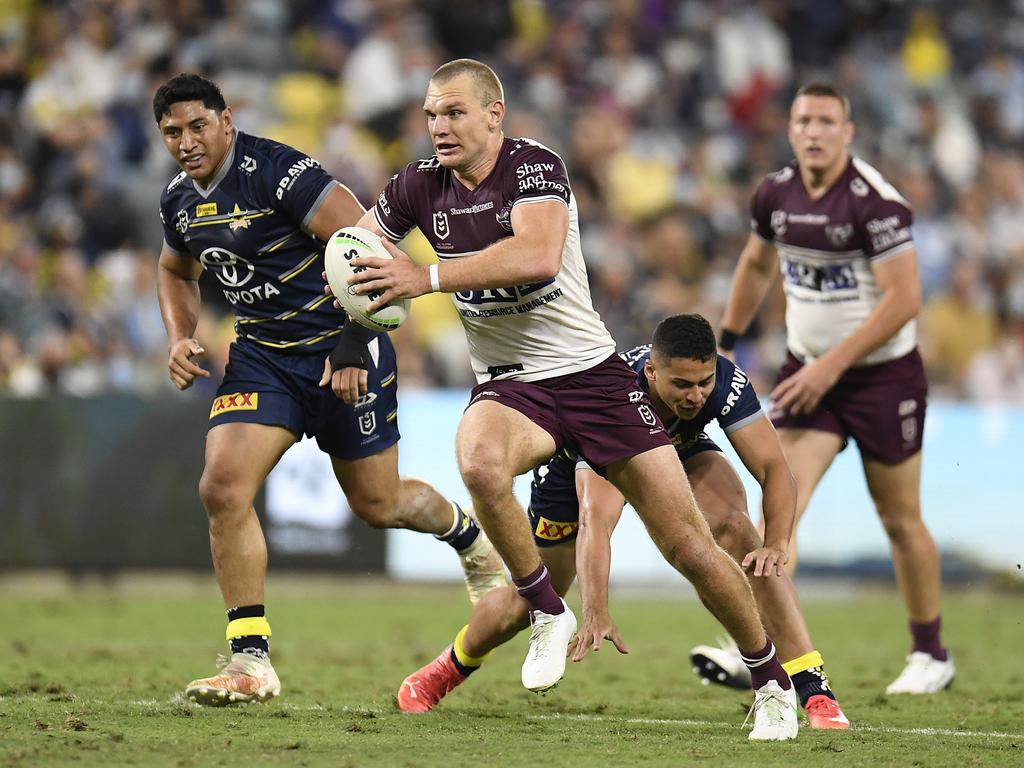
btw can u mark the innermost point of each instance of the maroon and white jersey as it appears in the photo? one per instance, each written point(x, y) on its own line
point(526, 332)
point(826, 249)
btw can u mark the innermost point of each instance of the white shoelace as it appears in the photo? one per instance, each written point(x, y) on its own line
point(540, 636)
point(764, 701)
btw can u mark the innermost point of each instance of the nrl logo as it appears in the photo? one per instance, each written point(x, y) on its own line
point(441, 228)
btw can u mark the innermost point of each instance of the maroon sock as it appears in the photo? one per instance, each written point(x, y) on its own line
point(926, 638)
point(536, 589)
point(764, 665)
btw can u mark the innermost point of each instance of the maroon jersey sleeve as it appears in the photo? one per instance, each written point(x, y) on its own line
point(536, 173)
point(761, 209)
point(886, 219)
point(393, 210)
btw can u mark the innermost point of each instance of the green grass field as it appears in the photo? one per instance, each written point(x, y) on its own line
point(91, 677)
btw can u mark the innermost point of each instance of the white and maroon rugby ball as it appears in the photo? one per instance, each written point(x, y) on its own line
point(344, 245)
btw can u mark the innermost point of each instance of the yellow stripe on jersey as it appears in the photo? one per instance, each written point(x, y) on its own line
point(388, 381)
point(309, 307)
point(256, 625)
point(274, 246)
point(803, 663)
point(464, 658)
point(230, 218)
point(289, 275)
point(300, 342)
point(393, 415)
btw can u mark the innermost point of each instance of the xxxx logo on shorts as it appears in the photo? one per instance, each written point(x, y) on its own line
point(239, 401)
point(551, 530)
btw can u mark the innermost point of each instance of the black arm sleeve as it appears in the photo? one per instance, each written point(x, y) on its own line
point(351, 350)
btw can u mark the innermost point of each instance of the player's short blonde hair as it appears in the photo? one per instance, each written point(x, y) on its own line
point(827, 90)
point(488, 86)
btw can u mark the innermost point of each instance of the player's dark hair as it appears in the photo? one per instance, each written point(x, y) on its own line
point(688, 336)
point(187, 87)
point(488, 86)
point(821, 88)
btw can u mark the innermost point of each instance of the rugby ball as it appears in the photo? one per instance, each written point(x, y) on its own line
point(344, 245)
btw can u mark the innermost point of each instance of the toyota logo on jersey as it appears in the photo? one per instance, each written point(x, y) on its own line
point(232, 270)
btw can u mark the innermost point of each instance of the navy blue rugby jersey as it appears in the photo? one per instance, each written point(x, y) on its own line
point(250, 229)
point(733, 402)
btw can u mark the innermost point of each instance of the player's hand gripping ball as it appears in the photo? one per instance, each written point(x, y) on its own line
point(344, 245)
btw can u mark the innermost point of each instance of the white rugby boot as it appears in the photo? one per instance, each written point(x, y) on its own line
point(924, 674)
point(774, 711)
point(549, 641)
point(722, 665)
point(243, 679)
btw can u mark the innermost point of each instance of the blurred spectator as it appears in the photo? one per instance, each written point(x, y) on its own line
point(666, 114)
point(958, 324)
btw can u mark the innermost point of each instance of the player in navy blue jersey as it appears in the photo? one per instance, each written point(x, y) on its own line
point(842, 238)
point(573, 512)
point(255, 214)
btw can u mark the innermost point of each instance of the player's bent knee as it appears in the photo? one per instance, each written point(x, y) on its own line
point(222, 498)
point(376, 511)
point(485, 479)
point(899, 523)
point(689, 555)
point(735, 533)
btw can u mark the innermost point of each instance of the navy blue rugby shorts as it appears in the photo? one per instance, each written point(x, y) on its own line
point(264, 386)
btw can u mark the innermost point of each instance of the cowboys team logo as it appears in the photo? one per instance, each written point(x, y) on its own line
point(441, 228)
point(232, 271)
point(779, 222)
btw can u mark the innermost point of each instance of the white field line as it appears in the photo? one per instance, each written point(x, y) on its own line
point(718, 724)
point(179, 699)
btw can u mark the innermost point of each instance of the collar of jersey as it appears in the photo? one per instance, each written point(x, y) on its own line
point(226, 166)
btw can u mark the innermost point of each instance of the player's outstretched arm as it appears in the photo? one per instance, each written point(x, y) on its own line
point(758, 447)
point(600, 509)
point(177, 290)
point(900, 284)
point(754, 275)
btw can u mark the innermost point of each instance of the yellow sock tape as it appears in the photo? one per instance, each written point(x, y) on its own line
point(464, 658)
point(802, 663)
point(257, 625)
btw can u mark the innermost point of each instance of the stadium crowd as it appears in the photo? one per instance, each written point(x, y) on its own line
point(666, 113)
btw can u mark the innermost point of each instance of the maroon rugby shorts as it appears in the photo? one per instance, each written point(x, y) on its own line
point(601, 412)
point(880, 406)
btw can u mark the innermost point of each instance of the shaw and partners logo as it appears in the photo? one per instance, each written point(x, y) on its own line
point(239, 401)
